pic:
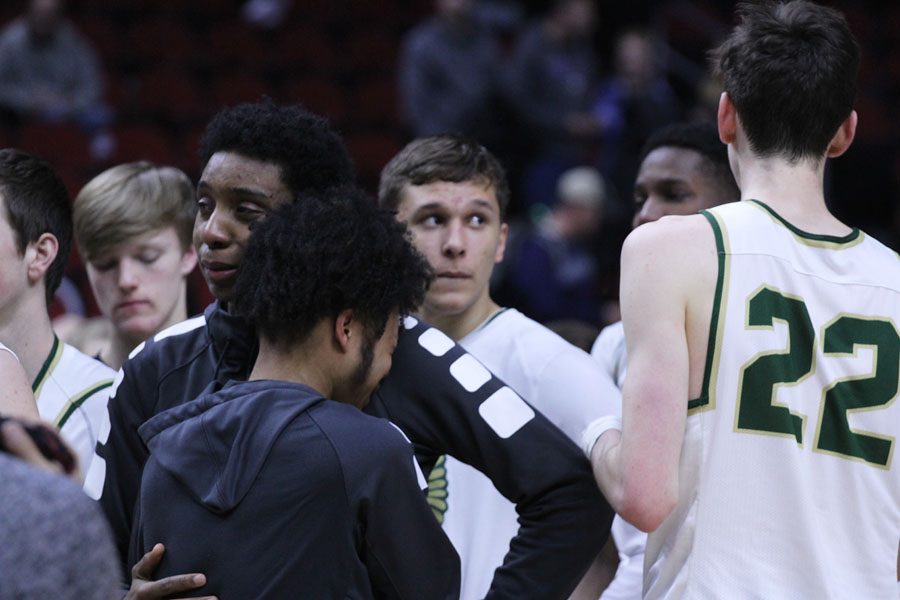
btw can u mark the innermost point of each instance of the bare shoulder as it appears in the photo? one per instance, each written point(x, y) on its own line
point(673, 246)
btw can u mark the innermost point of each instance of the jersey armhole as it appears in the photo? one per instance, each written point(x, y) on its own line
point(706, 400)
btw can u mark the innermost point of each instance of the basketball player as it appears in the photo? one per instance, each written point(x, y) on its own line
point(452, 193)
point(684, 169)
point(763, 350)
point(258, 156)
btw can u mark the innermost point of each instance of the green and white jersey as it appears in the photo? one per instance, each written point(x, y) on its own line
point(787, 484)
point(71, 391)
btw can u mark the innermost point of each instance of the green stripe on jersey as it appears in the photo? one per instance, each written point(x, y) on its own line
point(48, 366)
point(715, 326)
point(76, 401)
point(813, 239)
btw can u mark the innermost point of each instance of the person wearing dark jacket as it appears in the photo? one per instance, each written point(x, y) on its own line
point(261, 155)
point(344, 515)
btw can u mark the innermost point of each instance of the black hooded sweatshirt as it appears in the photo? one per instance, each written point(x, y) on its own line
point(564, 520)
point(273, 491)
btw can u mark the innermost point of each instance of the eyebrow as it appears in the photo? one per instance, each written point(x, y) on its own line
point(237, 191)
point(437, 205)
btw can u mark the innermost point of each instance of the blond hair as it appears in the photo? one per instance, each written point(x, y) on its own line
point(129, 200)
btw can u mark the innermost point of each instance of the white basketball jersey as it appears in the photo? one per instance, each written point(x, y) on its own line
point(787, 484)
point(72, 390)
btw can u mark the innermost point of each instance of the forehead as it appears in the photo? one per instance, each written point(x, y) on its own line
point(162, 237)
point(229, 170)
point(449, 195)
point(672, 163)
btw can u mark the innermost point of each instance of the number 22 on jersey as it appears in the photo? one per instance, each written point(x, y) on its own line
point(757, 408)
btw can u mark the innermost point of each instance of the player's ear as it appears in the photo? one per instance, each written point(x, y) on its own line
point(344, 325)
point(843, 137)
point(501, 245)
point(188, 260)
point(39, 256)
point(726, 119)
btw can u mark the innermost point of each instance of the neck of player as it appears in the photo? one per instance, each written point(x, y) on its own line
point(793, 190)
point(27, 331)
point(310, 363)
point(458, 325)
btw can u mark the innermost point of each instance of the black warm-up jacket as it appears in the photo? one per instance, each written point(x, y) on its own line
point(564, 520)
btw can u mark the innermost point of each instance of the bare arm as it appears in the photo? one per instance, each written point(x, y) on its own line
point(638, 469)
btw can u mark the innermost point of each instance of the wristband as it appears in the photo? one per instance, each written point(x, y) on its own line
point(595, 429)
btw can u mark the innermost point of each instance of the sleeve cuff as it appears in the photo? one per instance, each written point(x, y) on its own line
point(595, 429)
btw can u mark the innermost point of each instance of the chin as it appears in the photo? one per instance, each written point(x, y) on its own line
point(138, 329)
point(447, 307)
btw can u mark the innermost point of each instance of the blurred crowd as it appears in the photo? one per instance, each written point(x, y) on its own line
point(547, 87)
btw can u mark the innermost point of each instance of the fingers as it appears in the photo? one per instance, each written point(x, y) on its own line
point(19, 444)
point(143, 588)
point(145, 567)
point(152, 590)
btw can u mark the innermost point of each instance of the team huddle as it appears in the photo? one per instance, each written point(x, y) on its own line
point(355, 416)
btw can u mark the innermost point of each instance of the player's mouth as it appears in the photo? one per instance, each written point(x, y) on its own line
point(218, 271)
point(130, 306)
point(453, 275)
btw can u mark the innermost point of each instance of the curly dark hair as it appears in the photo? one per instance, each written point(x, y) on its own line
point(450, 158)
point(309, 152)
point(326, 253)
point(37, 202)
point(703, 138)
point(790, 69)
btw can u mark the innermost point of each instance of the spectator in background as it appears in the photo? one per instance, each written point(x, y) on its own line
point(550, 85)
point(71, 388)
point(551, 272)
point(50, 72)
point(684, 169)
point(133, 225)
point(631, 104)
point(448, 71)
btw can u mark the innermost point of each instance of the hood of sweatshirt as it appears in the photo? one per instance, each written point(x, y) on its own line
point(217, 444)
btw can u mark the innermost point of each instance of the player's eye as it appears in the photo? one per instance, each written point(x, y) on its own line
point(431, 221)
point(148, 257)
point(205, 206)
point(247, 211)
point(104, 265)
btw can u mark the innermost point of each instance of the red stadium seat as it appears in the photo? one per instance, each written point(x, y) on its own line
point(370, 152)
point(320, 96)
point(63, 144)
point(228, 90)
point(305, 48)
point(235, 43)
point(369, 51)
point(172, 94)
point(143, 142)
point(158, 41)
point(375, 103)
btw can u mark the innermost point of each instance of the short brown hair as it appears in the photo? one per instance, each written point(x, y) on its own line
point(129, 200)
point(790, 69)
point(449, 158)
